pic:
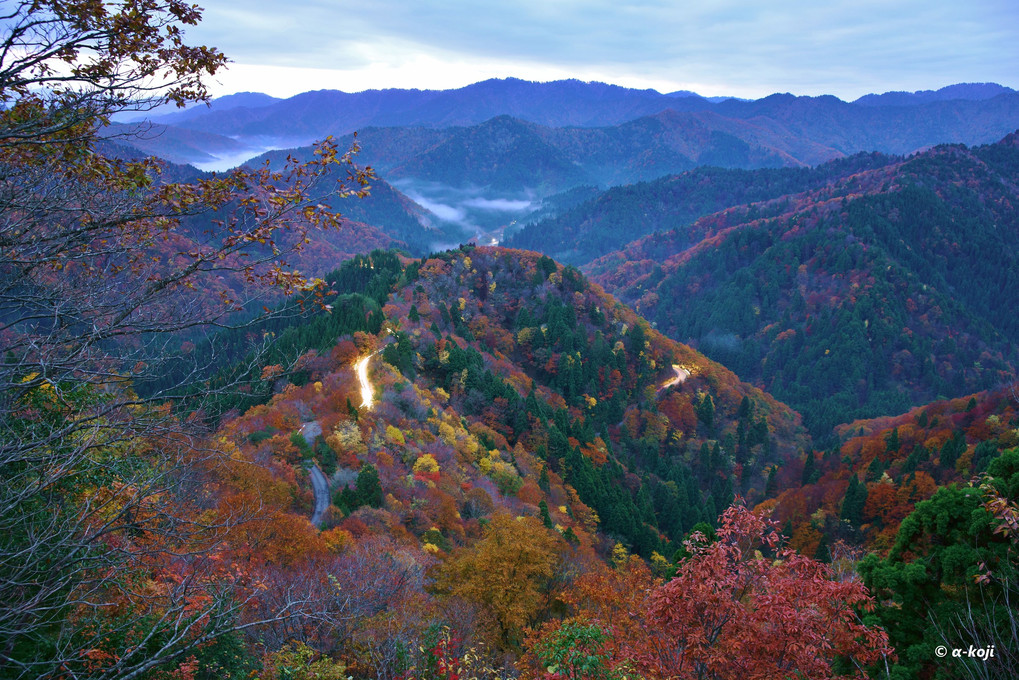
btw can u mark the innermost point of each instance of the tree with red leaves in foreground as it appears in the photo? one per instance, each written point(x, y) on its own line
point(731, 612)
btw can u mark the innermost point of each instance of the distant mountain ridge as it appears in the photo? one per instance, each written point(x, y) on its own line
point(522, 137)
point(564, 103)
point(311, 115)
point(968, 91)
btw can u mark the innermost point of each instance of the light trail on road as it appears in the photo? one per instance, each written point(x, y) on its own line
point(681, 375)
point(367, 393)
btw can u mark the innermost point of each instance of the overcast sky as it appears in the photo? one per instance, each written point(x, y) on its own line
point(748, 48)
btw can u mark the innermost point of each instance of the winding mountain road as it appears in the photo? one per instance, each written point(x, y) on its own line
point(681, 375)
point(367, 393)
point(320, 486)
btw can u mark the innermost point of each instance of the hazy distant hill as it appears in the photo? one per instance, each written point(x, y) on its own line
point(385, 208)
point(885, 289)
point(971, 91)
point(520, 140)
point(175, 144)
point(607, 221)
point(505, 153)
point(312, 115)
point(240, 100)
point(955, 114)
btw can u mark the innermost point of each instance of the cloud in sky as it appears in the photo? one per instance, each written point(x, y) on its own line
point(736, 47)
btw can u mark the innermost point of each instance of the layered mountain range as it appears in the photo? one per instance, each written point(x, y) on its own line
point(571, 103)
point(768, 230)
point(874, 288)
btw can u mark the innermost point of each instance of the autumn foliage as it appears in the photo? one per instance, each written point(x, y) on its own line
point(732, 612)
point(729, 612)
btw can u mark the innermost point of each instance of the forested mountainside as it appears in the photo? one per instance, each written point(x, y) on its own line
point(610, 220)
point(862, 298)
point(500, 384)
point(862, 488)
point(910, 499)
point(235, 445)
point(538, 374)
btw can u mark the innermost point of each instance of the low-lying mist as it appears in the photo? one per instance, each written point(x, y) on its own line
point(477, 212)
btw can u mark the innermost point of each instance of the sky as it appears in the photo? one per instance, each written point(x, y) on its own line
point(743, 48)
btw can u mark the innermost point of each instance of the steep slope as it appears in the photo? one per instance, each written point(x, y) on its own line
point(861, 298)
point(862, 488)
point(502, 373)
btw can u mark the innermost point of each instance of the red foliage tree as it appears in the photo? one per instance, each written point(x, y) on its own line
point(732, 613)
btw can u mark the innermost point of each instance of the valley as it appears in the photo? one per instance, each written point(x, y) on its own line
point(541, 380)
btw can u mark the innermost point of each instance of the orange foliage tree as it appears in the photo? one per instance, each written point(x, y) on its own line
point(730, 612)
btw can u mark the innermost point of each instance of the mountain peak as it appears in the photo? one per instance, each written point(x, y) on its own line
point(1011, 140)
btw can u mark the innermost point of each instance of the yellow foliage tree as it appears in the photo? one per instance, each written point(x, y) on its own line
point(395, 435)
point(508, 571)
point(426, 464)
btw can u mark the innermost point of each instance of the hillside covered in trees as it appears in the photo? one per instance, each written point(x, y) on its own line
point(614, 218)
point(879, 291)
point(245, 437)
point(918, 503)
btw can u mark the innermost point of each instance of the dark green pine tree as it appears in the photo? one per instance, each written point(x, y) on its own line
point(892, 441)
point(346, 500)
point(854, 500)
point(546, 519)
point(543, 481)
point(810, 471)
point(930, 574)
point(823, 554)
point(368, 486)
point(875, 469)
point(705, 411)
point(771, 486)
point(952, 449)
